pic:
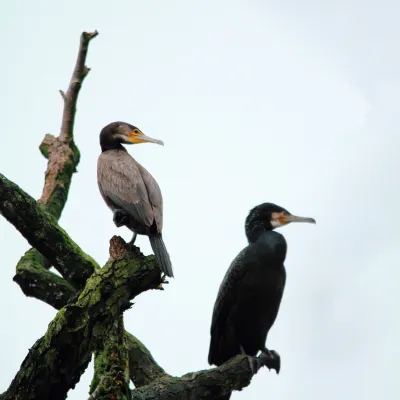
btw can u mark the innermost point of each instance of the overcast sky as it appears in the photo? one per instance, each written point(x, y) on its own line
point(295, 103)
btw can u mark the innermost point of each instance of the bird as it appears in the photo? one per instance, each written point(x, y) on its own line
point(250, 294)
point(129, 190)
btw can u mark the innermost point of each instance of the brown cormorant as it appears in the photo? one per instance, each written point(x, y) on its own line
point(250, 294)
point(129, 190)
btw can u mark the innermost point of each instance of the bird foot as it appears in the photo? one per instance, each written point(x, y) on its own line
point(271, 359)
point(131, 245)
point(255, 364)
point(163, 282)
point(120, 218)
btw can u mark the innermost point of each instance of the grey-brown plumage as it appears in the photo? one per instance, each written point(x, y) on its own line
point(250, 294)
point(129, 190)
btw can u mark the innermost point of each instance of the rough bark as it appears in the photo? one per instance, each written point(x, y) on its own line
point(57, 360)
point(36, 281)
point(41, 284)
point(41, 230)
point(142, 366)
point(61, 152)
point(111, 367)
point(202, 385)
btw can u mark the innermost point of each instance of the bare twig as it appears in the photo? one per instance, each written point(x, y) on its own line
point(64, 97)
point(61, 151)
point(71, 96)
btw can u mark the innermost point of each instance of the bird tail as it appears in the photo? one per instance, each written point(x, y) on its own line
point(161, 254)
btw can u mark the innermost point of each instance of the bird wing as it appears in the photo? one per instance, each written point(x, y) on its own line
point(226, 298)
point(258, 293)
point(155, 196)
point(120, 180)
point(249, 280)
point(229, 288)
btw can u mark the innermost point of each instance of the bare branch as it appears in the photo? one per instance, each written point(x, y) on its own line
point(42, 232)
point(64, 97)
point(207, 384)
point(71, 96)
point(57, 360)
point(63, 158)
point(61, 152)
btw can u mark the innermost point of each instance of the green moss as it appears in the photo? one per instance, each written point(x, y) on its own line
point(44, 148)
point(111, 370)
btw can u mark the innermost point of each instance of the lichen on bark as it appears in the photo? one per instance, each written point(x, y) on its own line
point(57, 360)
point(111, 366)
point(43, 232)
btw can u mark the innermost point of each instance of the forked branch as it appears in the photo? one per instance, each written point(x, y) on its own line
point(58, 359)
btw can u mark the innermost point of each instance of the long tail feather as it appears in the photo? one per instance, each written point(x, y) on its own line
point(161, 254)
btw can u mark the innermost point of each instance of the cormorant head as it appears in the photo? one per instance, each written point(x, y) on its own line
point(268, 216)
point(113, 135)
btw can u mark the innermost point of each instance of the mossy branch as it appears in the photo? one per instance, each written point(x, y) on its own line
point(142, 366)
point(36, 281)
point(111, 366)
point(202, 385)
point(57, 360)
point(42, 231)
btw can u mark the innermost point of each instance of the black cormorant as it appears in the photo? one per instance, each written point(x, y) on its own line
point(249, 297)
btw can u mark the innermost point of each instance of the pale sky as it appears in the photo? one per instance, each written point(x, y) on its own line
point(295, 103)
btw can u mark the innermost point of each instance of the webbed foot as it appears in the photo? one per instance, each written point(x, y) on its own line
point(271, 359)
point(254, 362)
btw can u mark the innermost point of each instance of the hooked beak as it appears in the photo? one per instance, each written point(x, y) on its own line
point(294, 218)
point(138, 137)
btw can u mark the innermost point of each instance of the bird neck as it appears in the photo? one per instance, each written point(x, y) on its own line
point(274, 244)
point(111, 146)
point(254, 230)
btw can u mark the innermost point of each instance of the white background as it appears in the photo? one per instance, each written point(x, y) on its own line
point(284, 101)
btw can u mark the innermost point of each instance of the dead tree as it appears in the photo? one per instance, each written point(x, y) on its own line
point(90, 299)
